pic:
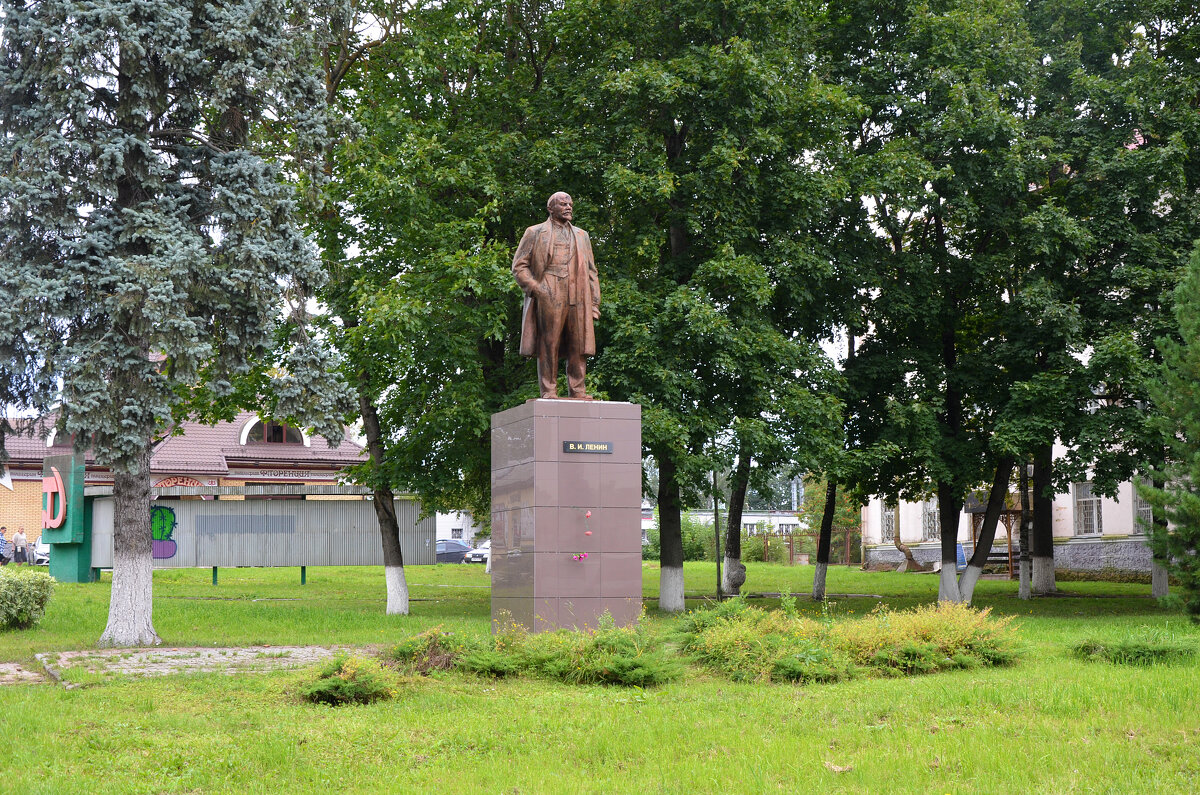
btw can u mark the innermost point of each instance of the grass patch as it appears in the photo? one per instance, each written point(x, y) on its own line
point(1145, 646)
point(1053, 724)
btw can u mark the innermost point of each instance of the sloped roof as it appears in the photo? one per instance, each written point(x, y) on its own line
point(207, 449)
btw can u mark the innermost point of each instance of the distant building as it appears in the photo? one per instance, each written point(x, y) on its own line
point(1091, 532)
point(245, 452)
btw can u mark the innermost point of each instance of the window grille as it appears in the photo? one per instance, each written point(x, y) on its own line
point(456, 532)
point(931, 524)
point(1087, 511)
point(1143, 514)
point(887, 528)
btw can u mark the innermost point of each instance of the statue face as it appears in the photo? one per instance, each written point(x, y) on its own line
point(561, 208)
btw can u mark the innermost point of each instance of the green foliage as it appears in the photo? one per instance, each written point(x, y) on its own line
point(763, 548)
point(24, 594)
point(1175, 536)
point(699, 541)
point(1145, 646)
point(350, 679)
point(749, 643)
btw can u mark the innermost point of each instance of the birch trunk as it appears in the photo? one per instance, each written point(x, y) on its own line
point(949, 508)
point(1042, 544)
point(734, 575)
point(670, 539)
point(825, 539)
point(385, 509)
point(987, 534)
point(131, 605)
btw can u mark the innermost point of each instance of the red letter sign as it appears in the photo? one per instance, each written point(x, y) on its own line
point(51, 486)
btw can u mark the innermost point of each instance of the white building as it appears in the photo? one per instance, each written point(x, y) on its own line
point(459, 525)
point(1090, 532)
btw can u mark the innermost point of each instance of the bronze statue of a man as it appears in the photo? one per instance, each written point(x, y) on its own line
point(555, 267)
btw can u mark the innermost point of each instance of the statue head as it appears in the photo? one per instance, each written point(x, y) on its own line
point(560, 206)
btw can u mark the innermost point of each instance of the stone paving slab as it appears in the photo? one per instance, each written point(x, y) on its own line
point(160, 661)
point(16, 674)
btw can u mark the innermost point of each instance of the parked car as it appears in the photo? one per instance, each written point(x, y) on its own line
point(39, 553)
point(451, 551)
point(479, 554)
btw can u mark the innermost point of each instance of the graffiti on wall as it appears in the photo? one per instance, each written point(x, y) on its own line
point(162, 526)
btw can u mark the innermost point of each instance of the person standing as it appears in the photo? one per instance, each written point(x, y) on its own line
point(5, 547)
point(555, 267)
point(20, 543)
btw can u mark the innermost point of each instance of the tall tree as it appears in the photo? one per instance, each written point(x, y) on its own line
point(710, 204)
point(1175, 537)
point(349, 31)
point(940, 153)
point(137, 203)
point(452, 157)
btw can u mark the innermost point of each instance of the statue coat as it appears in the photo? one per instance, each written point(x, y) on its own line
point(529, 264)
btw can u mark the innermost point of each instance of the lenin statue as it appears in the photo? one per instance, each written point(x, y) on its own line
point(555, 268)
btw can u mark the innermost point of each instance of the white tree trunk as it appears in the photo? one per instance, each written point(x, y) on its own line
point(131, 606)
point(733, 576)
point(1023, 590)
point(397, 590)
point(1043, 575)
point(670, 589)
point(948, 584)
point(966, 585)
point(818, 592)
point(1159, 585)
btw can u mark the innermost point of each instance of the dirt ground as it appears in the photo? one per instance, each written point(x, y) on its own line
point(61, 666)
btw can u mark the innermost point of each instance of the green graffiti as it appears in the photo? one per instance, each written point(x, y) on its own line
point(162, 522)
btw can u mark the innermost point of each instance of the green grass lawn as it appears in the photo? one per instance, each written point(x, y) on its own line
point(1051, 723)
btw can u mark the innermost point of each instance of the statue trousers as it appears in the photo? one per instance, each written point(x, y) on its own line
point(560, 335)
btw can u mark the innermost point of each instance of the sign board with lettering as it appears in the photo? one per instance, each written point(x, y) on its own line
point(62, 499)
point(588, 447)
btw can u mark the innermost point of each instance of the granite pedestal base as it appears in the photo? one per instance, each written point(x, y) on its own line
point(553, 463)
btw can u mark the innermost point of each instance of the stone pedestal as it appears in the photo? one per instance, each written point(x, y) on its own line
point(553, 462)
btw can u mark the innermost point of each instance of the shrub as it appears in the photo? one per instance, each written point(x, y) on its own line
point(1147, 646)
point(349, 680)
point(607, 655)
point(699, 540)
point(432, 650)
point(24, 594)
point(748, 643)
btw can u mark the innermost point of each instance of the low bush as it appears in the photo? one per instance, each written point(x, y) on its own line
point(749, 643)
point(348, 679)
point(608, 655)
point(1146, 646)
point(24, 594)
point(432, 650)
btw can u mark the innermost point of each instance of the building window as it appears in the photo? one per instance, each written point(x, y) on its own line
point(887, 527)
point(750, 527)
point(275, 433)
point(787, 529)
point(1087, 511)
point(931, 522)
point(1143, 514)
point(456, 532)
